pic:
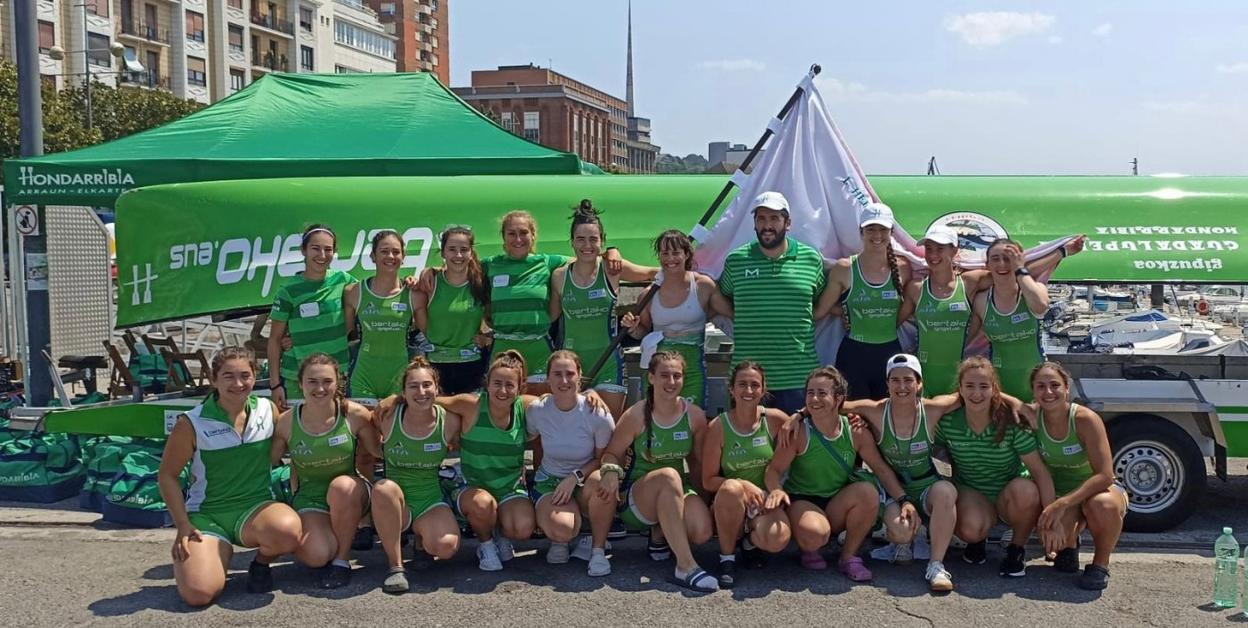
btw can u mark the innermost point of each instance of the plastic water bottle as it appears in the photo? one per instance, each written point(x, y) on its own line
point(1226, 570)
point(1245, 601)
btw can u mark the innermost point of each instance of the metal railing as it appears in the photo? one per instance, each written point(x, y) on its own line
point(276, 63)
point(273, 22)
point(145, 79)
point(150, 32)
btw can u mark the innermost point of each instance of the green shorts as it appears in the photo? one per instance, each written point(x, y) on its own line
point(501, 497)
point(416, 510)
point(313, 497)
point(535, 353)
point(226, 525)
point(372, 383)
point(631, 515)
point(544, 485)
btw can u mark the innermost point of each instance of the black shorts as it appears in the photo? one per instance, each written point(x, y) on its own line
point(820, 502)
point(460, 377)
point(863, 364)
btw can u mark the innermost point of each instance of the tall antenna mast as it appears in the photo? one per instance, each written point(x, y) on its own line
point(628, 87)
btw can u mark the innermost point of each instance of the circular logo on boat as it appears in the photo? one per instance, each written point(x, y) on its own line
point(975, 231)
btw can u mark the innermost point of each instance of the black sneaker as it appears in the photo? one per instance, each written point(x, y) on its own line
point(975, 553)
point(1094, 578)
point(336, 576)
point(1067, 560)
point(727, 573)
point(364, 538)
point(1013, 565)
point(754, 558)
point(259, 578)
point(618, 530)
point(659, 550)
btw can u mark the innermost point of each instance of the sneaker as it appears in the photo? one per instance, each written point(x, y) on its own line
point(558, 553)
point(659, 550)
point(584, 548)
point(938, 579)
point(487, 557)
point(1067, 560)
point(902, 554)
point(506, 551)
point(336, 577)
point(599, 565)
point(259, 578)
point(883, 552)
point(727, 573)
point(618, 530)
point(975, 553)
point(1094, 578)
point(1007, 537)
point(1014, 565)
point(364, 539)
point(956, 543)
point(395, 582)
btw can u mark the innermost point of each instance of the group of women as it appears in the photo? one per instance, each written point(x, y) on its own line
point(754, 476)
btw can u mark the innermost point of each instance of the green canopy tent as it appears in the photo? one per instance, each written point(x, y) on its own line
point(305, 125)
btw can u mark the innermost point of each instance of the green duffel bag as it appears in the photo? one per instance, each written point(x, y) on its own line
point(40, 468)
point(102, 456)
point(133, 497)
point(279, 482)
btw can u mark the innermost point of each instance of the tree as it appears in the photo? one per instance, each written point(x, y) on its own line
point(689, 164)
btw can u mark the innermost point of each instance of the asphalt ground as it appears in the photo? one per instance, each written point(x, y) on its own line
point(64, 567)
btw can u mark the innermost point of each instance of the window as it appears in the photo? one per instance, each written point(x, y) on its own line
point(387, 8)
point(238, 79)
point(97, 7)
point(375, 43)
point(237, 4)
point(195, 26)
point(305, 58)
point(342, 69)
point(236, 38)
point(305, 19)
point(98, 54)
point(531, 125)
point(508, 121)
point(196, 71)
point(47, 36)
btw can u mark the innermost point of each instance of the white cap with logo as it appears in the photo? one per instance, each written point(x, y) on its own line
point(903, 360)
point(940, 234)
point(876, 214)
point(772, 200)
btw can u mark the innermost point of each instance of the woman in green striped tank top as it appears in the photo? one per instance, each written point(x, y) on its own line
point(903, 428)
point(381, 306)
point(329, 440)
point(814, 474)
point(645, 463)
point(414, 441)
point(738, 446)
point(1076, 450)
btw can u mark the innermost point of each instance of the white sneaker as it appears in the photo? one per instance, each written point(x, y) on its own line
point(956, 543)
point(506, 551)
point(487, 557)
point(599, 565)
point(902, 554)
point(558, 553)
point(938, 579)
point(584, 548)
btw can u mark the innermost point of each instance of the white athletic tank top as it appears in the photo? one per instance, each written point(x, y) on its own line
point(685, 318)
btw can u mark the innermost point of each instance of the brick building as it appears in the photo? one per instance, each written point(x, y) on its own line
point(422, 29)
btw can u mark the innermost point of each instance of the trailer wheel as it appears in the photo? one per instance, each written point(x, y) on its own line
point(1162, 468)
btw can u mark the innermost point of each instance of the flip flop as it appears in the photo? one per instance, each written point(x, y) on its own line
point(698, 580)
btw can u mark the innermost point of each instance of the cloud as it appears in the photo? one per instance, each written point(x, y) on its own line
point(837, 90)
point(1103, 30)
point(993, 28)
point(1055, 39)
point(1200, 106)
point(1233, 68)
point(733, 65)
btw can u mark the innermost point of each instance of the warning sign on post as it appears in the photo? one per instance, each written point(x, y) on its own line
point(27, 219)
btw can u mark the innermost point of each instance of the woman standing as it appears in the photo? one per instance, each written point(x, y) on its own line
point(907, 413)
point(230, 500)
point(573, 436)
point(381, 305)
point(1076, 450)
point(331, 497)
point(311, 308)
point(868, 287)
point(655, 439)
point(1009, 312)
point(813, 474)
point(451, 313)
point(585, 295)
point(988, 451)
point(415, 440)
point(738, 446)
point(675, 319)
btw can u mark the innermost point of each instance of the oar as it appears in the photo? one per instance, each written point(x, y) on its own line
point(706, 218)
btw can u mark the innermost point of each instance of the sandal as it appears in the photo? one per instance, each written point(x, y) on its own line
point(813, 561)
point(1094, 578)
point(854, 569)
point(698, 580)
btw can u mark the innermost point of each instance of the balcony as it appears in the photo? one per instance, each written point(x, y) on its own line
point(273, 22)
point(358, 5)
point(138, 29)
point(150, 79)
point(268, 61)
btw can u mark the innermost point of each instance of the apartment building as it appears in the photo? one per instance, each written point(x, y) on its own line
point(422, 32)
point(203, 49)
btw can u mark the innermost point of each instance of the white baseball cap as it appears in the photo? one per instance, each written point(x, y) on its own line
point(903, 360)
point(876, 214)
point(772, 200)
point(940, 234)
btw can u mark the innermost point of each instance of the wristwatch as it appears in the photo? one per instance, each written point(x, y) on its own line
point(1021, 272)
point(580, 477)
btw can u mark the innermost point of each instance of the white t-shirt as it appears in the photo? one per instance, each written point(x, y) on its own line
point(568, 438)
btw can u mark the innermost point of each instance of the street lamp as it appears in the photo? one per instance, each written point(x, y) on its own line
point(115, 49)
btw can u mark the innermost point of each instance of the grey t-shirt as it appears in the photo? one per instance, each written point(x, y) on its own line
point(568, 438)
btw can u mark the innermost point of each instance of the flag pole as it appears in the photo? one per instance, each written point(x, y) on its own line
point(706, 217)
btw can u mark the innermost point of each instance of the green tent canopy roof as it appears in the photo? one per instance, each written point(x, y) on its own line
point(296, 125)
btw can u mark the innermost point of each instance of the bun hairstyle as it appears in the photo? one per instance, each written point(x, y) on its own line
point(509, 359)
point(418, 363)
point(476, 272)
point(323, 359)
point(318, 228)
point(675, 239)
point(233, 353)
point(999, 412)
point(587, 214)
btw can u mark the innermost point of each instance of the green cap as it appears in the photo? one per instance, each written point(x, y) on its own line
point(1226, 530)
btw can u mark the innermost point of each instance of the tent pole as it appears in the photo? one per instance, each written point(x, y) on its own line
point(706, 217)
